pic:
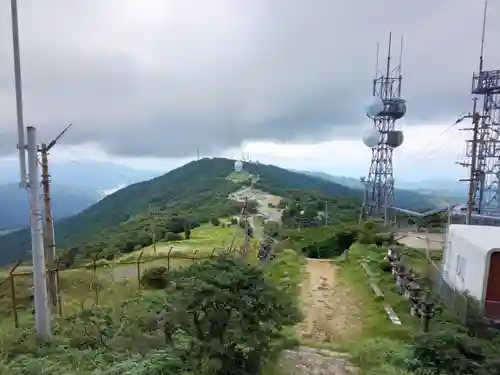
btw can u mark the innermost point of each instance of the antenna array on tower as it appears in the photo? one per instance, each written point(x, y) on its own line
point(382, 137)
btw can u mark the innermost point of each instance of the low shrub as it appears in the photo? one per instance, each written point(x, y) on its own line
point(155, 278)
point(384, 265)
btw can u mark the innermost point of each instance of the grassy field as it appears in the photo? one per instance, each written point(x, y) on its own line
point(116, 279)
point(239, 176)
point(203, 240)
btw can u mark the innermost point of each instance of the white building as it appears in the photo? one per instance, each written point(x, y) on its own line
point(471, 264)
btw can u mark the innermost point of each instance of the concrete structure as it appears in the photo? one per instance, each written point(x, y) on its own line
point(471, 264)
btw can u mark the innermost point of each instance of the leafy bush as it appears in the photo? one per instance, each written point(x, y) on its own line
point(213, 329)
point(333, 245)
point(272, 228)
point(454, 352)
point(155, 278)
point(215, 221)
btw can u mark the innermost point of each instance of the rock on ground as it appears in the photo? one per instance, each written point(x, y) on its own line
point(310, 361)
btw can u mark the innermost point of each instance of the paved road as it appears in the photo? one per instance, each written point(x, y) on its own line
point(435, 241)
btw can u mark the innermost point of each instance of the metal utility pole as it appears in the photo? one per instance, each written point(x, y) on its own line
point(21, 146)
point(42, 311)
point(50, 242)
point(153, 227)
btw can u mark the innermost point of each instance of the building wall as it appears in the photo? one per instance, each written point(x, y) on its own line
point(492, 296)
point(464, 265)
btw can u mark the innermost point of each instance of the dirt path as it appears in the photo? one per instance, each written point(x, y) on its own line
point(331, 314)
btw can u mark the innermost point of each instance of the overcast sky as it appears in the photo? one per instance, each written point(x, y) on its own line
point(286, 80)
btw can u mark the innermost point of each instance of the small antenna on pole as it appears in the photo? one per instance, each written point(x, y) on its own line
point(53, 143)
point(376, 62)
point(388, 68)
point(401, 57)
point(482, 36)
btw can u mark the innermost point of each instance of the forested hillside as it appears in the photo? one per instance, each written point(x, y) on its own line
point(184, 197)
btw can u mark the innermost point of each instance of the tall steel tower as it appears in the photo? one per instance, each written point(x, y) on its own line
point(386, 107)
point(484, 147)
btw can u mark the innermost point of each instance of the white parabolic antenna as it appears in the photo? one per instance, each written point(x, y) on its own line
point(238, 165)
point(374, 107)
point(371, 137)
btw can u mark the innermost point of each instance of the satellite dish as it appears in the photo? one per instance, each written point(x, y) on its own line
point(238, 165)
point(371, 137)
point(396, 109)
point(374, 107)
point(395, 138)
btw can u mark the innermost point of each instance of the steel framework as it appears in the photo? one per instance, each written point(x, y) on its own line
point(379, 184)
point(484, 148)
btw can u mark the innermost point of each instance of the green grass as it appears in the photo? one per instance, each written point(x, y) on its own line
point(375, 320)
point(286, 269)
point(239, 177)
point(416, 259)
point(204, 239)
point(383, 344)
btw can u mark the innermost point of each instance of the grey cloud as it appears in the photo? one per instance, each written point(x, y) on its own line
point(165, 77)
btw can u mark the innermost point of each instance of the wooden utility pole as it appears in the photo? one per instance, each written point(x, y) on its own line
point(50, 246)
point(245, 218)
point(326, 213)
point(50, 242)
point(153, 227)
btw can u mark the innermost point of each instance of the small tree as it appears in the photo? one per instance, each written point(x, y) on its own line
point(215, 221)
point(227, 316)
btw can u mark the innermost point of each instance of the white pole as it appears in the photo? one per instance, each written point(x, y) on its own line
point(42, 312)
point(19, 95)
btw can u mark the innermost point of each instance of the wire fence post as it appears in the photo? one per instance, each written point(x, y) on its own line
point(13, 292)
point(139, 270)
point(168, 257)
point(94, 280)
point(58, 280)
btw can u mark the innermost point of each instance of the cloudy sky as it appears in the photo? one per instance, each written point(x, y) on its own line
point(148, 82)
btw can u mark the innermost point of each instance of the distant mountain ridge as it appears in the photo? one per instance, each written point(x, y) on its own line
point(74, 185)
point(66, 201)
point(411, 195)
point(86, 175)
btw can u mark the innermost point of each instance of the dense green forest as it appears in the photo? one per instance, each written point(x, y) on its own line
point(180, 199)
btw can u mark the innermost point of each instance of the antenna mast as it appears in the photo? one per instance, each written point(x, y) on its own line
point(483, 149)
point(383, 138)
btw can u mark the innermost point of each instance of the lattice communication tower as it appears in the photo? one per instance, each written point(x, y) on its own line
point(483, 150)
point(386, 107)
